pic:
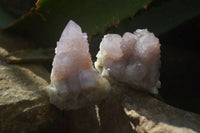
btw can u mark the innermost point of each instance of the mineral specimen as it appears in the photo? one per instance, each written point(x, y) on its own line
point(74, 81)
point(133, 59)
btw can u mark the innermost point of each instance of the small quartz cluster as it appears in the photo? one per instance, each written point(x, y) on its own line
point(74, 81)
point(133, 59)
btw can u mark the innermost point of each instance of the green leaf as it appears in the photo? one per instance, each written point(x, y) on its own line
point(44, 24)
point(161, 16)
point(30, 56)
point(5, 18)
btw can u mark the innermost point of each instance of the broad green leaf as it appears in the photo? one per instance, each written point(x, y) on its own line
point(44, 24)
point(161, 16)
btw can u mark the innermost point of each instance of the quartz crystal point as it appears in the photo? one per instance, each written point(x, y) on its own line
point(133, 59)
point(74, 81)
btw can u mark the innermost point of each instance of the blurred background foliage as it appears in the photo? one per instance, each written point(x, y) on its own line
point(175, 22)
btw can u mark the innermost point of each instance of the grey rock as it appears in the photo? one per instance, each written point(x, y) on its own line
point(147, 114)
point(24, 105)
point(136, 112)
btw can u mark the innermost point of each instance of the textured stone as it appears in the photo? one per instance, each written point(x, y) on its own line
point(24, 104)
point(147, 114)
point(133, 59)
point(136, 112)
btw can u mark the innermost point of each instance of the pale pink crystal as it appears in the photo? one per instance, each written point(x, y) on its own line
point(74, 81)
point(133, 59)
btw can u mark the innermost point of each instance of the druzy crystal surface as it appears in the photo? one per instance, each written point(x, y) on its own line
point(133, 59)
point(74, 81)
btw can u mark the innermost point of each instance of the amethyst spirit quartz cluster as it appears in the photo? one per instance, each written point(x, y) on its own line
point(132, 59)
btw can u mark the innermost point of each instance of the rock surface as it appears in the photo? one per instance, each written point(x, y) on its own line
point(147, 114)
point(24, 103)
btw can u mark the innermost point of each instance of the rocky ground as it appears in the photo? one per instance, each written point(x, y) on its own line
point(24, 106)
